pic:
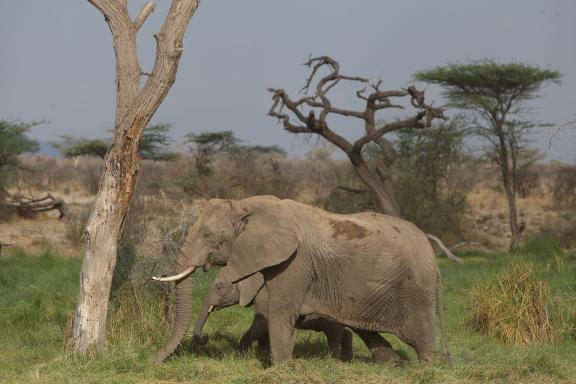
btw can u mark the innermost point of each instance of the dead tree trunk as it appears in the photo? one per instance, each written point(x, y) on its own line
point(379, 177)
point(135, 106)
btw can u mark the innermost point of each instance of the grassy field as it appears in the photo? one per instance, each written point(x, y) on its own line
point(37, 292)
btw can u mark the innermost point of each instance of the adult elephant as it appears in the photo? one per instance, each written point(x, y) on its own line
point(368, 271)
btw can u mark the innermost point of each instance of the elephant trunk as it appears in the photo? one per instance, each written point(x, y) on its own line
point(199, 336)
point(183, 318)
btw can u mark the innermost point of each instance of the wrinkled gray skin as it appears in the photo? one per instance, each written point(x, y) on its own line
point(223, 294)
point(368, 271)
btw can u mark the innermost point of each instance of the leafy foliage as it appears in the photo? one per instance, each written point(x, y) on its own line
point(155, 143)
point(260, 149)
point(72, 147)
point(487, 85)
point(427, 193)
point(14, 141)
point(564, 187)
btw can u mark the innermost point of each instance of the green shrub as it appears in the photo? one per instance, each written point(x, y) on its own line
point(542, 247)
point(564, 187)
point(429, 183)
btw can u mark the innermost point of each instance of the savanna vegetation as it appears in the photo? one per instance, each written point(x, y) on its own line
point(511, 316)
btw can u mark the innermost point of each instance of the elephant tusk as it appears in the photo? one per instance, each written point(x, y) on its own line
point(210, 309)
point(179, 276)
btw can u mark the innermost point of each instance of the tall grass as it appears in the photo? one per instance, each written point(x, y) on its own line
point(517, 308)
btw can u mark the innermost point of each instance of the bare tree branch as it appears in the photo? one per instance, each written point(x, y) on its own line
point(146, 10)
point(445, 249)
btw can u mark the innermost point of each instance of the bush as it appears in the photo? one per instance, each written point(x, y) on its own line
point(527, 181)
point(340, 201)
point(428, 186)
point(564, 187)
point(517, 308)
point(14, 141)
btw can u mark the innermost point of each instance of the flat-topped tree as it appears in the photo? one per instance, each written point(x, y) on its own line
point(495, 95)
point(309, 114)
point(135, 106)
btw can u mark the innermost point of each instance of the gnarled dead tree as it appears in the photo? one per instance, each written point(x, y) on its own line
point(135, 106)
point(309, 114)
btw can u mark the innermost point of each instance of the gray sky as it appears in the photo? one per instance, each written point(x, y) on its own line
point(57, 61)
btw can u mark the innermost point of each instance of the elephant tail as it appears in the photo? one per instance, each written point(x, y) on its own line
point(445, 355)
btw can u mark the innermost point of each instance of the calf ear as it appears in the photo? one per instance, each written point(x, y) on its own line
point(249, 288)
point(268, 238)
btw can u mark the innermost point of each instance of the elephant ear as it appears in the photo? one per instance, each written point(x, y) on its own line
point(249, 288)
point(268, 238)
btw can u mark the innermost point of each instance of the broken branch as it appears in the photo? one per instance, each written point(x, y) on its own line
point(146, 10)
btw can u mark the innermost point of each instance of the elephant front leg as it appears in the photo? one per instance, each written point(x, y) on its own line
point(282, 333)
point(287, 286)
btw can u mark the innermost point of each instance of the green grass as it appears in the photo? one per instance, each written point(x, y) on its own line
point(36, 293)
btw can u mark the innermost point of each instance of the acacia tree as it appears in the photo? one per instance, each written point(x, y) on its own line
point(494, 95)
point(310, 113)
point(206, 144)
point(135, 106)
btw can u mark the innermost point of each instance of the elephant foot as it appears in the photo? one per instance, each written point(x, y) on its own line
point(386, 355)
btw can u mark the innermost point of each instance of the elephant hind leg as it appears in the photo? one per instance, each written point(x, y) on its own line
point(424, 346)
point(380, 348)
point(346, 353)
point(421, 334)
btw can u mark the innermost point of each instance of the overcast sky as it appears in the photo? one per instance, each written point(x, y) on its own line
point(57, 61)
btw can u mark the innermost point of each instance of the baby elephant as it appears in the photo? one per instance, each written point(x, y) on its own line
point(223, 294)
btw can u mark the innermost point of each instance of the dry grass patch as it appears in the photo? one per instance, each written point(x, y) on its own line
point(518, 308)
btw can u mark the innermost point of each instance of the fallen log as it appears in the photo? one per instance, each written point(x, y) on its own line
point(29, 206)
